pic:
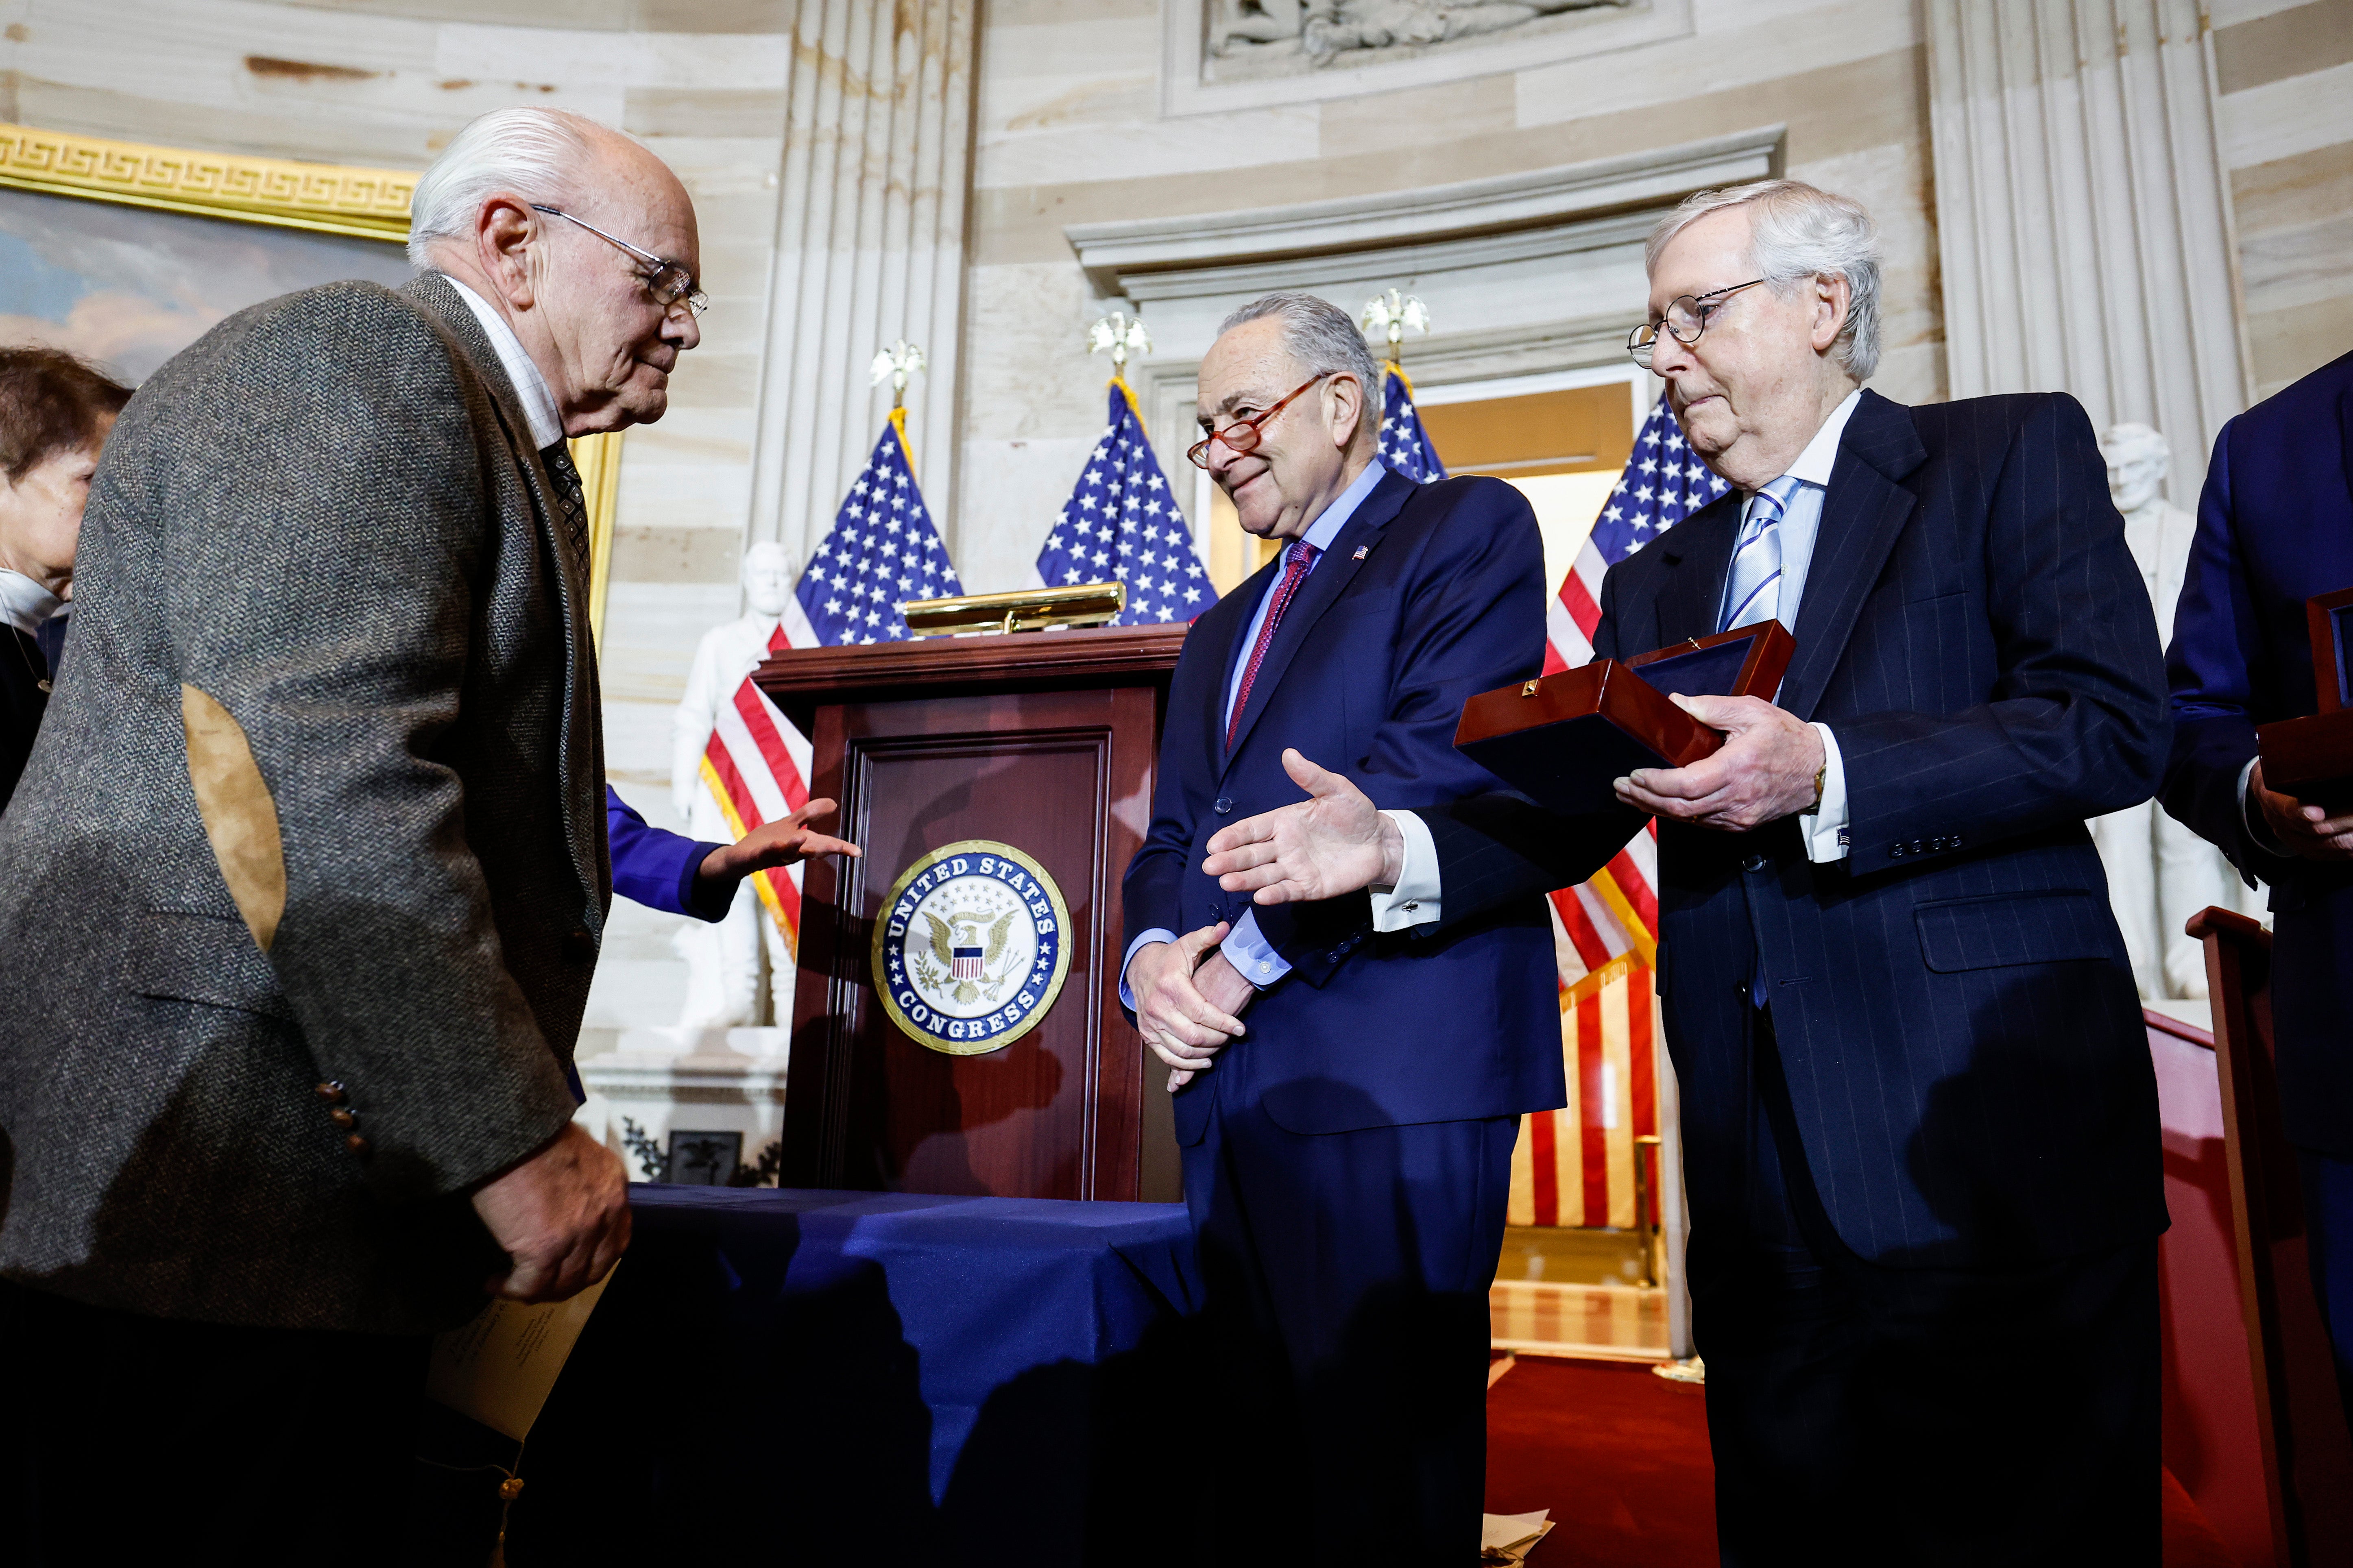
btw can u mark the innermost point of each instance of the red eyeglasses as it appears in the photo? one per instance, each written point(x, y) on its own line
point(1242, 436)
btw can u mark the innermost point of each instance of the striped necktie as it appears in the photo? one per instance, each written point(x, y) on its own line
point(1752, 589)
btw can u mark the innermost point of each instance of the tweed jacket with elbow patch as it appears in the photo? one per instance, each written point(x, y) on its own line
point(302, 889)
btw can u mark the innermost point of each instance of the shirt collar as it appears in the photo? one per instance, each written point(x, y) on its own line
point(530, 387)
point(24, 604)
point(1814, 464)
point(1327, 528)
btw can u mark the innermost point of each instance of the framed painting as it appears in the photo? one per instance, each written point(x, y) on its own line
point(126, 254)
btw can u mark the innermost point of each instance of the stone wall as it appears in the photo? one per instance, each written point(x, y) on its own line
point(2285, 82)
point(1073, 128)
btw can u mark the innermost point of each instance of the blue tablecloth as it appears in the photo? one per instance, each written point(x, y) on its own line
point(841, 1377)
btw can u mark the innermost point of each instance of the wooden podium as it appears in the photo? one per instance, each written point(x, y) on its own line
point(1047, 742)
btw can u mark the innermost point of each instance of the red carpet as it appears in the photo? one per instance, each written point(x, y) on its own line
point(1620, 1458)
point(1618, 1455)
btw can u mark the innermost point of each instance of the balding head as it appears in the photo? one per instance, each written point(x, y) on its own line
point(579, 301)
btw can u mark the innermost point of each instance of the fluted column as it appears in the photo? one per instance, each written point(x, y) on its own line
point(2085, 214)
point(869, 248)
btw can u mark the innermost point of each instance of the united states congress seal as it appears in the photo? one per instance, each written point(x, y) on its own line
point(971, 947)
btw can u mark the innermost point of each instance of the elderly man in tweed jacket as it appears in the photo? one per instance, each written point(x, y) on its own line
point(304, 887)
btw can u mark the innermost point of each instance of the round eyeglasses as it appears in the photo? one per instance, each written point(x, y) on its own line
point(667, 281)
point(1686, 319)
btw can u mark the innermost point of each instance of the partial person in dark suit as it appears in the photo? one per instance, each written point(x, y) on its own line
point(1348, 1156)
point(302, 888)
point(2274, 529)
point(55, 413)
point(1919, 1119)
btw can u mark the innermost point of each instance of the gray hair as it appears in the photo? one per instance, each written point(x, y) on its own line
point(1323, 338)
point(1798, 231)
point(537, 154)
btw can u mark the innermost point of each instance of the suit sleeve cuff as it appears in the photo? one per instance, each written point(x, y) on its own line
point(2251, 815)
point(1252, 956)
point(1414, 901)
point(1145, 939)
point(705, 900)
point(1825, 826)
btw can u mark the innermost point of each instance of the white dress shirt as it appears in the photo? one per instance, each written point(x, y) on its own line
point(1415, 900)
point(539, 410)
point(1251, 955)
point(24, 604)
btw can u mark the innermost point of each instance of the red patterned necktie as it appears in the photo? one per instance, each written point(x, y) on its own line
point(1294, 573)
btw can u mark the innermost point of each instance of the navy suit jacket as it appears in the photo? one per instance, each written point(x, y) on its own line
point(1428, 596)
point(1965, 1059)
point(2275, 528)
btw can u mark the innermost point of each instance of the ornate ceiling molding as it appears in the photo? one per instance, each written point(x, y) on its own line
point(1545, 212)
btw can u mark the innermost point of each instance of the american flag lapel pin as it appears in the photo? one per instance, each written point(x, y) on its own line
point(1362, 551)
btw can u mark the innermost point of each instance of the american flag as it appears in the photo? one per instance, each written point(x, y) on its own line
point(882, 550)
point(1575, 1166)
point(1121, 524)
point(1405, 445)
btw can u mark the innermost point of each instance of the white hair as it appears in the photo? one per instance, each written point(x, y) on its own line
point(1798, 233)
point(537, 154)
point(1323, 338)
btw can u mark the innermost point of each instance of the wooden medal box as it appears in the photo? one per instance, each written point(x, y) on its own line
point(2312, 757)
point(1564, 740)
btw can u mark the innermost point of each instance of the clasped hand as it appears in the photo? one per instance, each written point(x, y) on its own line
point(2303, 828)
point(1763, 771)
point(1187, 998)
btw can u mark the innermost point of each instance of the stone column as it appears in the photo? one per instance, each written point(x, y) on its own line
point(2086, 233)
point(869, 248)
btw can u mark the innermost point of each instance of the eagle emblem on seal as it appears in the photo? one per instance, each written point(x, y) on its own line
point(971, 947)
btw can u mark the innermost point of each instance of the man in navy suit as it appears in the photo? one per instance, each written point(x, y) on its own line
point(2275, 527)
point(1919, 1119)
point(1347, 1155)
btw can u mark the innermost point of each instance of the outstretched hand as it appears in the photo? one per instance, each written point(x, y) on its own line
point(1332, 843)
point(774, 844)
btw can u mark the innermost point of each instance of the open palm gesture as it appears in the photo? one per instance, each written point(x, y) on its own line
point(1333, 842)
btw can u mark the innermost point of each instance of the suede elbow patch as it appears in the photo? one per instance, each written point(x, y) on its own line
point(240, 817)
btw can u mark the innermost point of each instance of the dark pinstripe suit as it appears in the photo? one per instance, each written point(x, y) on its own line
point(1951, 1038)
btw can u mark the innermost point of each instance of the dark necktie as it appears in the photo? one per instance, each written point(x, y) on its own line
point(569, 498)
point(1294, 573)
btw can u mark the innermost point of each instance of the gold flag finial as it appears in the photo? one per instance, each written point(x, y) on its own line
point(899, 361)
point(1123, 335)
point(1395, 310)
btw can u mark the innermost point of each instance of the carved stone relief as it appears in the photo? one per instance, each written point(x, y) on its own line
point(1306, 34)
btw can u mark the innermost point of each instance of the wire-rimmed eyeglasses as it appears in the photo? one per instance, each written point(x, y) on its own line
point(1242, 436)
point(667, 281)
point(1686, 319)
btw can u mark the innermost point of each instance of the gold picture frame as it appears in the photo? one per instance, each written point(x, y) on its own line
point(325, 198)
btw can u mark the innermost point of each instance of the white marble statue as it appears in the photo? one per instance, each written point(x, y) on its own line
point(724, 962)
point(2159, 873)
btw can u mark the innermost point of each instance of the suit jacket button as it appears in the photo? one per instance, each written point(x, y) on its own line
point(1895, 851)
point(357, 1145)
point(1753, 863)
point(331, 1093)
point(580, 944)
point(1224, 804)
point(343, 1118)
